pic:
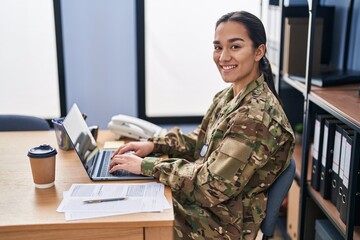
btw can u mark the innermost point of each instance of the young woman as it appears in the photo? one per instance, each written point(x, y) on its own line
point(220, 173)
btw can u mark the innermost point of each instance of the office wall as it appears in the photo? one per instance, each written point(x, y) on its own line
point(28, 60)
point(100, 57)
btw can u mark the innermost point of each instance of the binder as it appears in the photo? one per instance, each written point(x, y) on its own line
point(316, 151)
point(346, 133)
point(345, 182)
point(327, 156)
point(335, 180)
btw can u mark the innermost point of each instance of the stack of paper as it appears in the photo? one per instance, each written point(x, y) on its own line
point(132, 198)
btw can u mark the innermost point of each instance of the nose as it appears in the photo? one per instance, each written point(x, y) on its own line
point(224, 56)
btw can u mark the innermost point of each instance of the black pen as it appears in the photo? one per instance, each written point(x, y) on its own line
point(100, 200)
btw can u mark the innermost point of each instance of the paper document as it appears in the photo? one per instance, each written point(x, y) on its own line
point(140, 197)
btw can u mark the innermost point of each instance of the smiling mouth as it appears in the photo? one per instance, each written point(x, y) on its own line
point(228, 67)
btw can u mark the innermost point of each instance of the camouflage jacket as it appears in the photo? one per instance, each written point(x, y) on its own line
point(219, 173)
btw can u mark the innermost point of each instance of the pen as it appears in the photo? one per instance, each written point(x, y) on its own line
point(99, 200)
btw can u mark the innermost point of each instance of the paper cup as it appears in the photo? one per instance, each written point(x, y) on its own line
point(42, 161)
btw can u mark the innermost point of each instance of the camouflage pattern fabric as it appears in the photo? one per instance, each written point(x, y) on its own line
point(219, 174)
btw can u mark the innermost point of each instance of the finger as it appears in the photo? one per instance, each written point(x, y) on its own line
point(118, 159)
point(122, 149)
point(117, 151)
point(116, 168)
point(126, 148)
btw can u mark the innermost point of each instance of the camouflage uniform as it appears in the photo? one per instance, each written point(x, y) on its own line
point(219, 174)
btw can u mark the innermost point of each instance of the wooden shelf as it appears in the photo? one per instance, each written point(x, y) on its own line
point(295, 84)
point(341, 101)
point(297, 155)
point(332, 212)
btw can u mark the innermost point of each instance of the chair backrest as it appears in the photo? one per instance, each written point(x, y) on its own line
point(276, 195)
point(22, 123)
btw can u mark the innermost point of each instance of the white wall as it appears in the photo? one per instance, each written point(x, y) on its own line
point(181, 77)
point(28, 60)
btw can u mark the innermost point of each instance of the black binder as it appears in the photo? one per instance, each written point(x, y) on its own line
point(317, 147)
point(335, 180)
point(327, 156)
point(346, 133)
point(345, 191)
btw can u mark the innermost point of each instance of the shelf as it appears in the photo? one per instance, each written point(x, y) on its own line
point(297, 157)
point(295, 84)
point(341, 101)
point(333, 214)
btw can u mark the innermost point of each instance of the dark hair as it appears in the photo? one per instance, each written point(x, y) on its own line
point(257, 34)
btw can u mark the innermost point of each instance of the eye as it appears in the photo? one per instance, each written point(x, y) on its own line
point(235, 47)
point(217, 48)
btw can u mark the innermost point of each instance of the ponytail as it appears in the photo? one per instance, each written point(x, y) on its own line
point(265, 68)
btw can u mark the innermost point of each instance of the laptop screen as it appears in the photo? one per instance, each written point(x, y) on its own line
point(80, 136)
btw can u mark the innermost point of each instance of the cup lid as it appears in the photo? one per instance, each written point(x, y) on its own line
point(42, 151)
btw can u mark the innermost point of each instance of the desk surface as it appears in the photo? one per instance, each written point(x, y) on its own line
point(31, 212)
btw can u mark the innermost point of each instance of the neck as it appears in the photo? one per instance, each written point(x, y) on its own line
point(238, 86)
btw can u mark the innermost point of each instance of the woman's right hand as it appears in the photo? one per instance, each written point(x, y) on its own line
point(140, 149)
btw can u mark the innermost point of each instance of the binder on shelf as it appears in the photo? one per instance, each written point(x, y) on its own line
point(346, 133)
point(316, 151)
point(335, 180)
point(327, 156)
point(345, 182)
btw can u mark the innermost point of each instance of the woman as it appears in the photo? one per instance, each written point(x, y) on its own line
point(220, 173)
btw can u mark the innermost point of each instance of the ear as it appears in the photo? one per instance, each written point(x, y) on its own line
point(260, 52)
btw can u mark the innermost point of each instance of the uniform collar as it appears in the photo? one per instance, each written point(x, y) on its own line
point(248, 89)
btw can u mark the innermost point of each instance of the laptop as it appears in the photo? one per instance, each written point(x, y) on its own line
point(95, 161)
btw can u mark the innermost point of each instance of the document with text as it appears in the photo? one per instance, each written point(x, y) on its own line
point(83, 201)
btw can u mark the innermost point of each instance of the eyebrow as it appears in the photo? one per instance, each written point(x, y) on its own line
point(230, 40)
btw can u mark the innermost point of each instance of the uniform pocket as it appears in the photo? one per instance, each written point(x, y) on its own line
point(233, 156)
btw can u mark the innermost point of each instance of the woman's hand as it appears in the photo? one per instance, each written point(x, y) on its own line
point(127, 161)
point(140, 149)
point(130, 162)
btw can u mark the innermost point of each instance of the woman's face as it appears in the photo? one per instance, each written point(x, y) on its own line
point(235, 55)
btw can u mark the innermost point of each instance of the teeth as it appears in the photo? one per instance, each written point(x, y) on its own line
point(229, 67)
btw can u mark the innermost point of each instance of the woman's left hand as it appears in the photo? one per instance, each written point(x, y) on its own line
point(128, 162)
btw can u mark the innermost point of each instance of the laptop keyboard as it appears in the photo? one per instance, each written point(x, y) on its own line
point(105, 161)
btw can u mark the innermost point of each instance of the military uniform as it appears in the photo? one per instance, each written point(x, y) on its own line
point(219, 174)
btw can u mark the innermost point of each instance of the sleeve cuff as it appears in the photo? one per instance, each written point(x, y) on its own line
point(159, 145)
point(148, 164)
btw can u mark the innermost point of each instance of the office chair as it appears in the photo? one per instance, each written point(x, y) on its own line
point(276, 195)
point(22, 123)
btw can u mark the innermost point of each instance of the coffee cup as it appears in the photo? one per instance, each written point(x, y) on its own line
point(42, 161)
